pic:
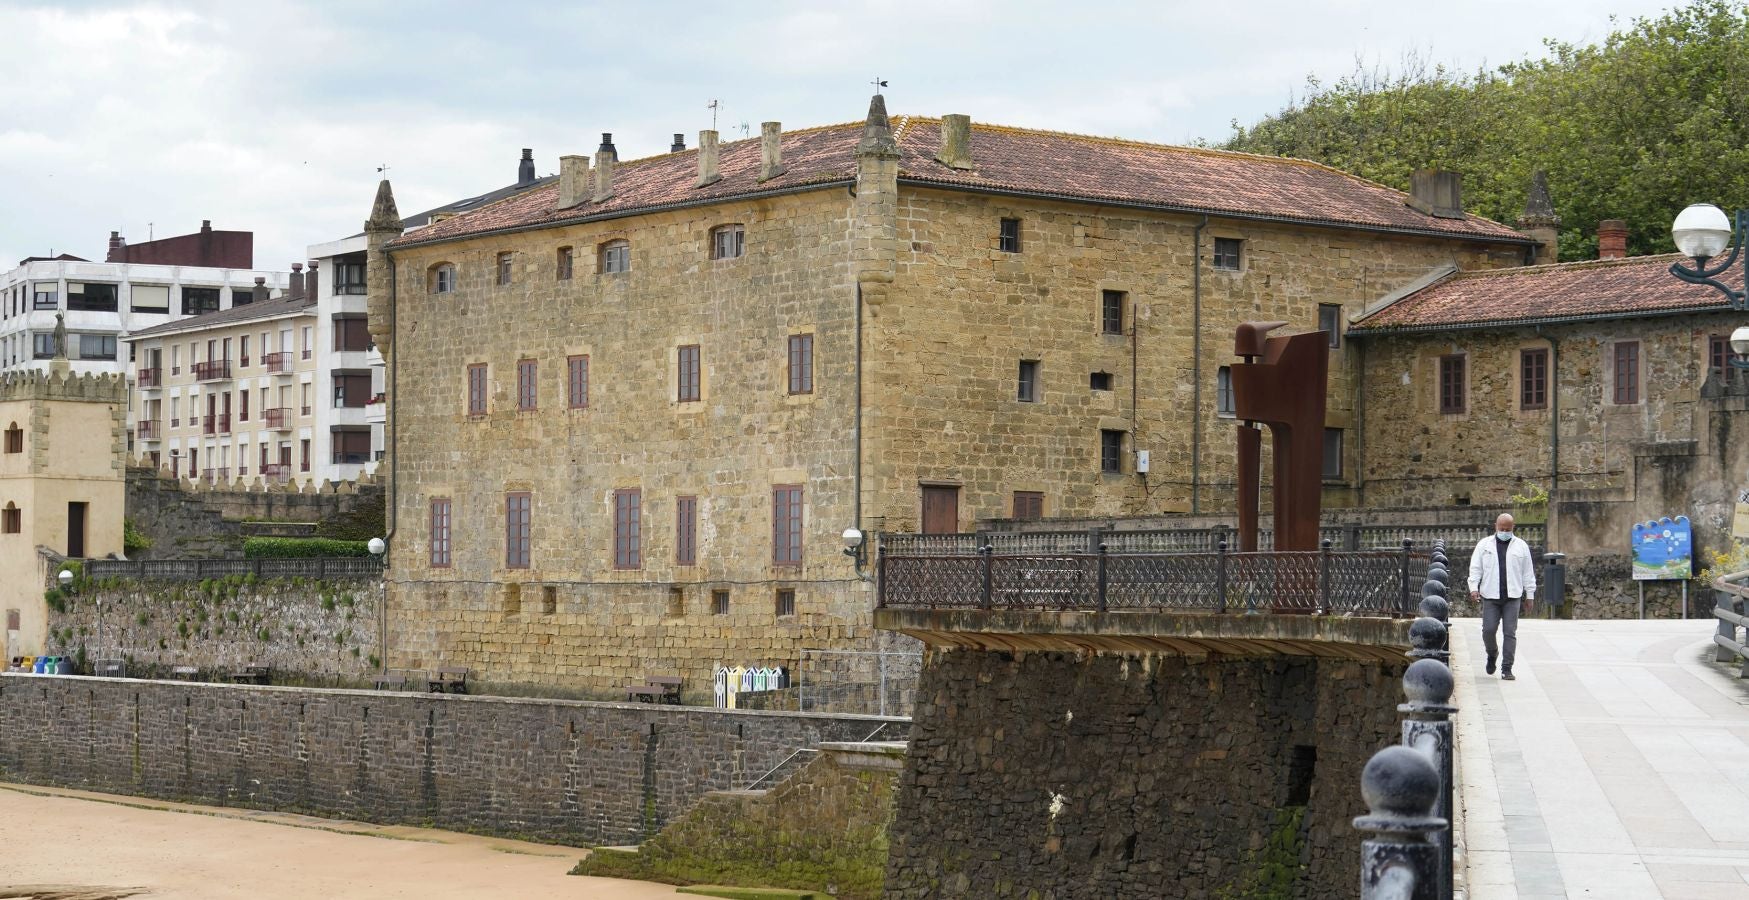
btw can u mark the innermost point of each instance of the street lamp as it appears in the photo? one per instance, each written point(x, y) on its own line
point(856, 547)
point(1703, 231)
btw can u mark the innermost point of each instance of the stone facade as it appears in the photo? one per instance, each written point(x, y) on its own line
point(555, 771)
point(310, 632)
point(188, 520)
point(64, 438)
point(918, 322)
point(1048, 774)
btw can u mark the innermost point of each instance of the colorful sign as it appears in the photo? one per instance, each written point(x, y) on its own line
point(1740, 519)
point(1663, 550)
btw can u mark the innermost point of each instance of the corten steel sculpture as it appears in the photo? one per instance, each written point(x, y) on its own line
point(1280, 383)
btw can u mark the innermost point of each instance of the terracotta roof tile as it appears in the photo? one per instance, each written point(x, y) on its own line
point(1007, 160)
point(1635, 286)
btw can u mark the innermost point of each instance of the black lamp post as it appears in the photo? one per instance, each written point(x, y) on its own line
point(1703, 231)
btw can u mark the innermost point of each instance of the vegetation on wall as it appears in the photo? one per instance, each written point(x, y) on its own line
point(294, 548)
point(1635, 128)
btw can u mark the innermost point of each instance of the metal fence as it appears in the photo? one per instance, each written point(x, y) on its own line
point(197, 569)
point(1190, 540)
point(1366, 582)
point(864, 682)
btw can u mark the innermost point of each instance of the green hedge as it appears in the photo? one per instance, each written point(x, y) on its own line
point(301, 548)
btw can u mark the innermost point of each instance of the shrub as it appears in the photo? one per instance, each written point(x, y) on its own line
point(56, 600)
point(301, 548)
point(133, 540)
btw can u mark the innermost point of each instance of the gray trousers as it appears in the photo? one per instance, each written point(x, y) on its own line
point(1493, 612)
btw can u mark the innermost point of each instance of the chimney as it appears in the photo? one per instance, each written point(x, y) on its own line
point(1539, 220)
point(770, 150)
point(679, 143)
point(117, 244)
point(1437, 193)
point(1612, 239)
point(956, 141)
point(310, 280)
point(573, 180)
point(707, 159)
point(605, 157)
point(260, 292)
point(297, 282)
point(525, 169)
point(206, 226)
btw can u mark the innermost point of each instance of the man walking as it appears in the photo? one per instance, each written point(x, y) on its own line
point(1502, 575)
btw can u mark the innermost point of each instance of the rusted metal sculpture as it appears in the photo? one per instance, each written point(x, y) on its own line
point(1281, 383)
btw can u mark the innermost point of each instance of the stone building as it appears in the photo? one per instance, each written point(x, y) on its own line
point(1604, 383)
point(631, 412)
point(62, 438)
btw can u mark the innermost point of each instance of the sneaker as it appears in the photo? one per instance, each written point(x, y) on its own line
point(1506, 675)
point(1490, 665)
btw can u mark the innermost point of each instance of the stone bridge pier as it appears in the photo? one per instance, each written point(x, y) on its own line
point(1139, 754)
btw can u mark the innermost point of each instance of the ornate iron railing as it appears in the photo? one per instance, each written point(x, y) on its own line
point(1328, 581)
point(197, 569)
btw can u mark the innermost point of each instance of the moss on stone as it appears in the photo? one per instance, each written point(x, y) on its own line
point(1271, 871)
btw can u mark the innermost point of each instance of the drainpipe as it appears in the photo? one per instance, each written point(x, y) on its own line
point(1554, 421)
point(1135, 424)
point(1360, 430)
point(392, 492)
point(1195, 367)
point(856, 465)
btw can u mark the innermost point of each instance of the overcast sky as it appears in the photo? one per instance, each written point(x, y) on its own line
point(274, 116)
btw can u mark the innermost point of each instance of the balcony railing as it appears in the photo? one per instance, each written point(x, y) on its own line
point(220, 424)
point(214, 476)
point(278, 418)
point(277, 362)
point(1364, 582)
point(304, 411)
point(277, 471)
point(212, 370)
point(149, 378)
point(198, 569)
point(351, 459)
point(148, 429)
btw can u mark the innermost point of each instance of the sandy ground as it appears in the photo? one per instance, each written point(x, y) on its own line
point(205, 853)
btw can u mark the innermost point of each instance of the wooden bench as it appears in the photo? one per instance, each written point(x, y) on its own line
point(451, 680)
point(184, 673)
point(391, 681)
point(253, 674)
point(656, 689)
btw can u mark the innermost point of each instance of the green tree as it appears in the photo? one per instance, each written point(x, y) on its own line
point(1635, 128)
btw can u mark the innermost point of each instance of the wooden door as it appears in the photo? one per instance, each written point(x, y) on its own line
point(941, 509)
point(76, 530)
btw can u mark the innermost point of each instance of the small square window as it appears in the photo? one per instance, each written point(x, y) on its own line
point(1224, 391)
point(1111, 451)
point(719, 602)
point(616, 257)
point(442, 282)
point(1029, 505)
point(728, 241)
point(1010, 240)
point(1330, 322)
point(1332, 454)
point(1227, 253)
point(786, 602)
point(1099, 381)
point(1027, 391)
point(504, 267)
point(1719, 356)
point(564, 264)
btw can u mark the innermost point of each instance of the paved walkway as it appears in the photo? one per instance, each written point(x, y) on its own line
point(1616, 766)
point(122, 846)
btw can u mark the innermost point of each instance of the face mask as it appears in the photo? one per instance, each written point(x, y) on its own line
point(1503, 535)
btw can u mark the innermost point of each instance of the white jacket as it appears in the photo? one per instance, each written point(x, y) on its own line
point(1485, 569)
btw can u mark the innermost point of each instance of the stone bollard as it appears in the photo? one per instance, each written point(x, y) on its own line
point(1427, 637)
point(1399, 862)
point(1428, 686)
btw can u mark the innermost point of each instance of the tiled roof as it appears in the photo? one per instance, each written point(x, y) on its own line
point(1010, 160)
point(248, 312)
point(1635, 286)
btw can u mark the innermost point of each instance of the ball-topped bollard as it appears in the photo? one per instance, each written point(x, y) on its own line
point(1428, 684)
point(1439, 574)
point(1434, 606)
point(1432, 588)
point(1426, 640)
point(1400, 786)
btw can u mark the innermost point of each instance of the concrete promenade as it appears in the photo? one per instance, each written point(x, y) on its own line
point(1615, 767)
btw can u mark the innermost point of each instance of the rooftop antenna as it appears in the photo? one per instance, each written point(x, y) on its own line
point(148, 231)
point(746, 129)
point(713, 106)
point(878, 84)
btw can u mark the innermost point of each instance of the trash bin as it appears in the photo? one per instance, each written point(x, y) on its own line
point(63, 666)
point(1554, 586)
point(42, 666)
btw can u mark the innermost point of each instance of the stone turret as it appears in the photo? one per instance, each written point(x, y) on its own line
point(1539, 219)
point(875, 213)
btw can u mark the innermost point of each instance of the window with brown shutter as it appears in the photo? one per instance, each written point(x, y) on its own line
point(1111, 311)
point(1627, 372)
point(564, 265)
point(1533, 378)
point(527, 384)
point(518, 508)
point(685, 531)
point(13, 522)
point(786, 525)
point(801, 363)
point(689, 374)
point(1719, 358)
point(1451, 383)
point(439, 529)
point(577, 382)
point(628, 551)
point(477, 389)
point(1029, 505)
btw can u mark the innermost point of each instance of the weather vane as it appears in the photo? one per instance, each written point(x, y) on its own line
point(878, 84)
point(383, 170)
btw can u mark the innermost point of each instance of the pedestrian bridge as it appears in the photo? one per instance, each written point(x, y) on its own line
point(1616, 766)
